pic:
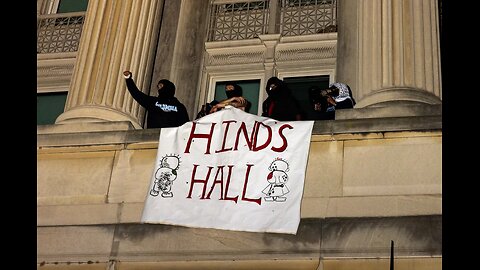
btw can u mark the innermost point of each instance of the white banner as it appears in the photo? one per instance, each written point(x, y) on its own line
point(230, 170)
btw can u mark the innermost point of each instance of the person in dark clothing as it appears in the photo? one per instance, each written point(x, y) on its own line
point(234, 94)
point(235, 98)
point(165, 110)
point(326, 101)
point(280, 103)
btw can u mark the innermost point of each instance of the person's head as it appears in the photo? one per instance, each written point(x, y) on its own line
point(274, 86)
point(165, 88)
point(233, 90)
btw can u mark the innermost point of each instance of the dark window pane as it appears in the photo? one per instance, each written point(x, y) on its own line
point(49, 107)
point(249, 89)
point(299, 87)
point(65, 6)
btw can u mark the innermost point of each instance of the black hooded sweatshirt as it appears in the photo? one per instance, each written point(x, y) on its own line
point(280, 103)
point(165, 110)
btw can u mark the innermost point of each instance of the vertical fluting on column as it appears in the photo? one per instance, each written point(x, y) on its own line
point(398, 52)
point(117, 36)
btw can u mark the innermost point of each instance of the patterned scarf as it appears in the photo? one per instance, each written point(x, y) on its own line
point(343, 93)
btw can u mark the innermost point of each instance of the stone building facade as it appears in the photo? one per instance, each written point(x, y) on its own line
point(373, 175)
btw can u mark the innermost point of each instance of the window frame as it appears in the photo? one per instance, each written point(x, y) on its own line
point(214, 79)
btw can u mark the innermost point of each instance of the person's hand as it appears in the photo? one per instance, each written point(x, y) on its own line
point(127, 74)
point(237, 102)
point(331, 101)
point(217, 107)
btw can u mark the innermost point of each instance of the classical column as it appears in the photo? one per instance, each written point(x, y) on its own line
point(116, 36)
point(388, 51)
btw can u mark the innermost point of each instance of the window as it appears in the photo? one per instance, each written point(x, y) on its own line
point(60, 32)
point(299, 87)
point(252, 40)
point(248, 19)
point(62, 6)
point(65, 6)
point(306, 17)
point(250, 89)
point(59, 28)
point(49, 107)
point(235, 21)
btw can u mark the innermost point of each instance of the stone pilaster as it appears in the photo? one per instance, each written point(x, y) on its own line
point(388, 51)
point(117, 35)
point(180, 48)
point(270, 41)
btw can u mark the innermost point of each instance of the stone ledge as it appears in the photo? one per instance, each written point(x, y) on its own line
point(390, 111)
point(316, 238)
point(123, 132)
point(312, 207)
point(297, 264)
point(84, 127)
point(371, 125)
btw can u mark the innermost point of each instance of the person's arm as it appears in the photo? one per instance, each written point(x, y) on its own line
point(142, 98)
point(237, 102)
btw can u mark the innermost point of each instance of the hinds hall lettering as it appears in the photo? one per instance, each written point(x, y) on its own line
point(230, 170)
point(252, 143)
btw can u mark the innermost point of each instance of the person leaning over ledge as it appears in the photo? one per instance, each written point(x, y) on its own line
point(280, 103)
point(324, 102)
point(235, 98)
point(165, 110)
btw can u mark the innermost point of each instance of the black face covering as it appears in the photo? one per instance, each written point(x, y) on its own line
point(274, 92)
point(163, 94)
point(168, 89)
point(233, 93)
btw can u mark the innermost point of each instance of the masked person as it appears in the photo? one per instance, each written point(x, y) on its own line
point(165, 110)
point(326, 101)
point(234, 94)
point(280, 104)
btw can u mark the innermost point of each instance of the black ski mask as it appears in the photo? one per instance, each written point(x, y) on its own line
point(168, 89)
point(274, 87)
point(236, 92)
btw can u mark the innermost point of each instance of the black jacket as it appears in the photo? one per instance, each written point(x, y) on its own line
point(285, 107)
point(162, 111)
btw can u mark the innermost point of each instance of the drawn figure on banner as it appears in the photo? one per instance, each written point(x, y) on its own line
point(165, 175)
point(277, 179)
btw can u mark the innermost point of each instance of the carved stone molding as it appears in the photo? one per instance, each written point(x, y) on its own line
point(310, 47)
point(236, 55)
point(300, 52)
point(301, 48)
point(54, 72)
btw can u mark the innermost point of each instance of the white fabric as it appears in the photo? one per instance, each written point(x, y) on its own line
point(267, 184)
point(343, 94)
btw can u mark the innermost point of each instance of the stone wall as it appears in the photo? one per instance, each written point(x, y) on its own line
point(368, 181)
